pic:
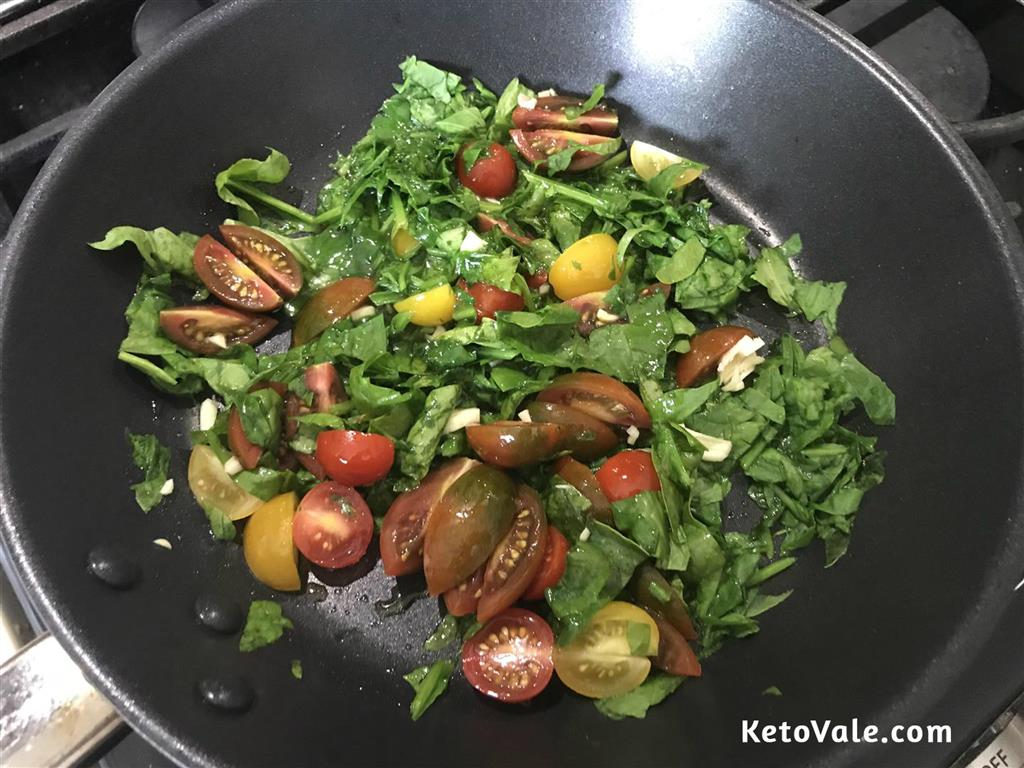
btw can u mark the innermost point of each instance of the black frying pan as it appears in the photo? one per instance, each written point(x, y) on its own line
point(804, 131)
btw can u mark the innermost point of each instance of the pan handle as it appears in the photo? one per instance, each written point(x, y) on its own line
point(50, 715)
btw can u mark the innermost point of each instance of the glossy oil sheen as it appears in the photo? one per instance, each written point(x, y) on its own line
point(802, 130)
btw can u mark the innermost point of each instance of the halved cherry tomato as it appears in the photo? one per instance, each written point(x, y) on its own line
point(213, 487)
point(706, 349)
point(268, 547)
point(431, 307)
point(654, 593)
point(330, 305)
point(462, 600)
point(230, 279)
point(271, 259)
point(591, 437)
point(246, 451)
point(604, 659)
point(486, 223)
point(626, 474)
point(466, 525)
point(587, 266)
point(549, 112)
point(537, 146)
point(192, 327)
point(490, 299)
point(492, 175)
point(322, 380)
point(354, 458)
point(600, 396)
point(582, 479)
point(401, 533)
point(510, 658)
point(512, 444)
point(333, 525)
point(552, 566)
point(403, 243)
point(517, 557)
point(675, 655)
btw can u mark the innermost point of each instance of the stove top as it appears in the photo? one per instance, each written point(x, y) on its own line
point(57, 55)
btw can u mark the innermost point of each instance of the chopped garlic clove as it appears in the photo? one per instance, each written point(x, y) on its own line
point(162, 543)
point(546, 93)
point(584, 534)
point(526, 102)
point(544, 289)
point(738, 362)
point(524, 415)
point(233, 466)
point(207, 414)
point(462, 418)
point(604, 317)
point(218, 340)
point(472, 242)
point(363, 312)
point(715, 448)
point(167, 488)
point(632, 435)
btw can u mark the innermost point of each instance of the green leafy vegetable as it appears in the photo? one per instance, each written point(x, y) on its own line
point(635, 703)
point(154, 460)
point(163, 251)
point(297, 669)
point(264, 625)
point(428, 683)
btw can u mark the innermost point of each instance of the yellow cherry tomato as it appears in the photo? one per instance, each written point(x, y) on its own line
point(403, 243)
point(433, 307)
point(610, 656)
point(267, 544)
point(213, 487)
point(585, 266)
point(648, 161)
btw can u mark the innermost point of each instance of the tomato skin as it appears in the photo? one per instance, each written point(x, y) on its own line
point(322, 380)
point(270, 258)
point(516, 559)
point(247, 452)
point(486, 223)
point(675, 655)
point(268, 547)
point(537, 280)
point(706, 349)
point(191, 327)
point(462, 600)
point(588, 438)
point(492, 175)
point(230, 279)
point(552, 566)
point(600, 396)
point(404, 525)
point(582, 479)
point(511, 444)
point(490, 299)
point(537, 146)
point(626, 474)
point(354, 458)
point(331, 304)
point(510, 659)
point(333, 526)
point(549, 112)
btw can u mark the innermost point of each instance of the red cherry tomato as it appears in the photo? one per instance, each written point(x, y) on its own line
point(582, 479)
point(322, 380)
point(462, 600)
point(551, 567)
point(600, 396)
point(706, 349)
point(272, 260)
point(510, 659)
point(490, 299)
point(230, 279)
point(192, 327)
point(537, 146)
point(332, 526)
point(537, 280)
point(492, 175)
point(354, 458)
point(513, 444)
point(514, 562)
point(675, 655)
point(626, 474)
point(247, 452)
point(486, 223)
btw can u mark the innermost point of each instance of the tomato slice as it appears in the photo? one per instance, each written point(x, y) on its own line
point(462, 600)
point(271, 259)
point(466, 525)
point(582, 479)
point(549, 112)
point(510, 659)
point(654, 593)
point(589, 438)
point(605, 658)
point(230, 279)
point(328, 306)
point(192, 327)
point(247, 452)
point(537, 146)
point(552, 566)
point(401, 533)
point(674, 654)
point(600, 396)
point(333, 526)
point(626, 474)
point(486, 223)
point(354, 458)
point(268, 547)
point(213, 487)
point(516, 443)
point(489, 299)
point(517, 557)
point(492, 175)
point(322, 380)
point(537, 280)
point(706, 349)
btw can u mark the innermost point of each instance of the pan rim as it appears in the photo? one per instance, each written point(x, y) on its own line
point(141, 718)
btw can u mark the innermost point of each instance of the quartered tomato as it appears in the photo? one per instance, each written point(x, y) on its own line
point(600, 396)
point(515, 560)
point(587, 266)
point(626, 474)
point(675, 655)
point(706, 349)
point(608, 658)
point(333, 525)
point(246, 451)
point(401, 533)
point(268, 547)
point(354, 458)
point(322, 380)
point(270, 258)
point(510, 658)
point(537, 146)
point(466, 525)
point(582, 479)
point(462, 600)
point(653, 592)
point(489, 299)
point(492, 175)
point(485, 222)
point(516, 443)
point(194, 327)
point(213, 487)
point(550, 112)
point(552, 566)
point(588, 439)
point(330, 305)
point(230, 279)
